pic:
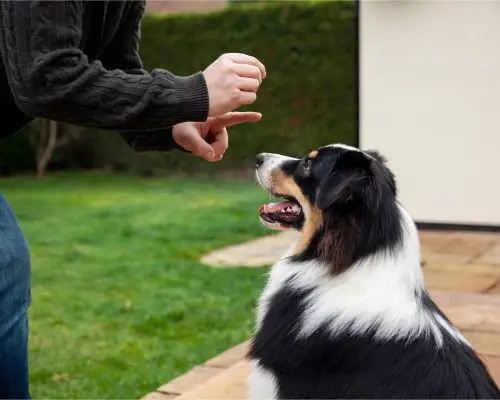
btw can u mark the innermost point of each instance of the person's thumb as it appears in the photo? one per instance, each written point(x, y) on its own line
point(201, 148)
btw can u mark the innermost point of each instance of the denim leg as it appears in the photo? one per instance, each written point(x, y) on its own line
point(15, 298)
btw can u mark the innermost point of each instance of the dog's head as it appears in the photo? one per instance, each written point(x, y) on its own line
point(335, 196)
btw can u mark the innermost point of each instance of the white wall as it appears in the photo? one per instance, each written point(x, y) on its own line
point(430, 101)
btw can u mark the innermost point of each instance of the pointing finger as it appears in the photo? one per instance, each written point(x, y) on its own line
point(234, 118)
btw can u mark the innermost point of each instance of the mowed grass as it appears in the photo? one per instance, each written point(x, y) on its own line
point(121, 303)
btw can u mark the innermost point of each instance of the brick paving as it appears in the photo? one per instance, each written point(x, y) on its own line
point(462, 271)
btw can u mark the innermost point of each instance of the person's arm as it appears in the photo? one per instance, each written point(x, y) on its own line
point(123, 54)
point(51, 78)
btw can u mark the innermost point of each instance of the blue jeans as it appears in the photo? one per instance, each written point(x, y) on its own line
point(15, 298)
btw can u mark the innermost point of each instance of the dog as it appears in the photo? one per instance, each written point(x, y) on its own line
point(345, 313)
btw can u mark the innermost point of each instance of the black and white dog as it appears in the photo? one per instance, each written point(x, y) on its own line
point(345, 313)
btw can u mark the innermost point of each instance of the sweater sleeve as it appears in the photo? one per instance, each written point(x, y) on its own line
point(123, 54)
point(52, 78)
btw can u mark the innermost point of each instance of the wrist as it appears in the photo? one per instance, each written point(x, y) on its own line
point(192, 97)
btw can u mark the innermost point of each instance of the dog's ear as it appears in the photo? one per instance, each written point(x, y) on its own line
point(345, 181)
point(390, 179)
point(377, 156)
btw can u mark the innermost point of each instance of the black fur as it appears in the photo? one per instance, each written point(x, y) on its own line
point(357, 195)
point(323, 366)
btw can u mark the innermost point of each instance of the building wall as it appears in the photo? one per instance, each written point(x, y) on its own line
point(185, 5)
point(430, 100)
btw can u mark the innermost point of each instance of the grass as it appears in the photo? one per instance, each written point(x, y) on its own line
point(121, 304)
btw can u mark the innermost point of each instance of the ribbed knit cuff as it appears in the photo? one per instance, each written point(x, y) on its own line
point(191, 93)
point(159, 140)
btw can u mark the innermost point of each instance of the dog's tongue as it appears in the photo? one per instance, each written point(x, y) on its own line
point(281, 206)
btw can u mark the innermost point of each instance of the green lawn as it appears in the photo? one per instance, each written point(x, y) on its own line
point(120, 302)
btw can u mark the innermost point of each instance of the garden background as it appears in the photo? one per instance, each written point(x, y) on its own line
point(121, 302)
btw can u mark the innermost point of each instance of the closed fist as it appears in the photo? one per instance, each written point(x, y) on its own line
point(232, 81)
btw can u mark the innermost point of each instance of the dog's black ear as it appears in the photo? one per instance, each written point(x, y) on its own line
point(389, 176)
point(377, 156)
point(345, 180)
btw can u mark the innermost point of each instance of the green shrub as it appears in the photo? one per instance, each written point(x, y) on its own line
point(16, 154)
point(307, 100)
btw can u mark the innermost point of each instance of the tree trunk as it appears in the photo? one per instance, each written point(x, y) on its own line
point(45, 148)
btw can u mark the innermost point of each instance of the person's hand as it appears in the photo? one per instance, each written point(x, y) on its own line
point(209, 139)
point(232, 81)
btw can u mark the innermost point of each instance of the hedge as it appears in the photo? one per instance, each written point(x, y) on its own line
point(307, 100)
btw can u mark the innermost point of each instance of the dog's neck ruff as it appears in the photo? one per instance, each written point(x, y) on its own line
point(380, 294)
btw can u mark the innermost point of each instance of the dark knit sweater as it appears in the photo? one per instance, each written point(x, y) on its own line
point(77, 61)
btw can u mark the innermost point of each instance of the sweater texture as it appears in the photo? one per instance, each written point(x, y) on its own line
point(77, 61)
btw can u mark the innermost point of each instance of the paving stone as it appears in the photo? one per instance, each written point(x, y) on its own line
point(493, 364)
point(438, 264)
point(442, 280)
point(190, 380)
point(446, 258)
point(229, 357)
point(477, 236)
point(490, 256)
point(433, 241)
point(495, 289)
point(467, 246)
point(255, 253)
point(228, 385)
point(470, 311)
point(160, 396)
point(486, 343)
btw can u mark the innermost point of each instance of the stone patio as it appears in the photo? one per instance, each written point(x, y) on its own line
point(461, 269)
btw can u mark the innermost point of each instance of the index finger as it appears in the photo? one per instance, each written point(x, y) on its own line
point(236, 118)
point(240, 58)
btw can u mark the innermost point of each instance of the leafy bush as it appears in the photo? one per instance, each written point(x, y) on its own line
point(308, 98)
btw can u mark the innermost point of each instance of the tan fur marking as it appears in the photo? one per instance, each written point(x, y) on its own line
point(313, 220)
point(313, 154)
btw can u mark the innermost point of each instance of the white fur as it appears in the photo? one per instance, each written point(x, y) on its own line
point(378, 292)
point(271, 161)
point(343, 146)
point(451, 329)
point(261, 384)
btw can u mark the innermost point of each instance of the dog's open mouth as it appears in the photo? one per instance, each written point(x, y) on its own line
point(284, 214)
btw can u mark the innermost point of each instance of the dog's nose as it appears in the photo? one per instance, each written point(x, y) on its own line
point(259, 160)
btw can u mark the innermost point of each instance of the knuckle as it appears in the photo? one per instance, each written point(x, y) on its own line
point(235, 93)
point(248, 98)
point(227, 66)
point(230, 86)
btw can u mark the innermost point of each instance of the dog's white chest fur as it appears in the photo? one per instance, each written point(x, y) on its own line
point(377, 292)
point(261, 384)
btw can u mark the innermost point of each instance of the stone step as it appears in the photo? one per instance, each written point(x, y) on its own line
point(254, 253)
